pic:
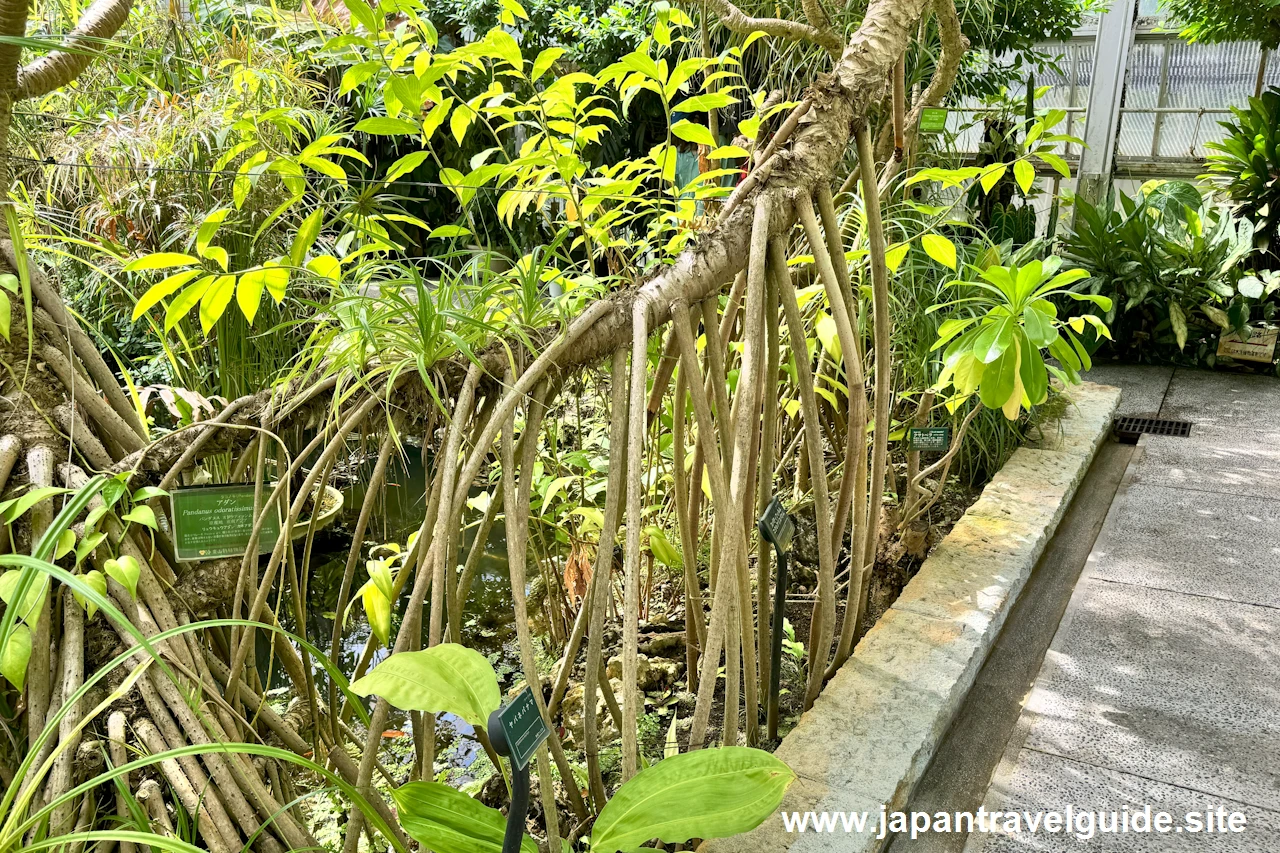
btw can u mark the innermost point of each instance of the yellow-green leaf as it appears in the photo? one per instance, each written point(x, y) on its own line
point(692, 132)
point(709, 793)
point(447, 678)
point(164, 288)
point(896, 254)
point(96, 581)
point(940, 249)
point(1025, 174)
point(992, 176)
point(160, 261)
point(125, 571)
point(215, 301)
point(15, 656)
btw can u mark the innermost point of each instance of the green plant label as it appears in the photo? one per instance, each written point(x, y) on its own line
point(929, 439)
point(933, 120)
point(216, 521)
point(523, 727)
point(776, 526)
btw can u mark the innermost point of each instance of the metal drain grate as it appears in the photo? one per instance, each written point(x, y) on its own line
point(1128, 429)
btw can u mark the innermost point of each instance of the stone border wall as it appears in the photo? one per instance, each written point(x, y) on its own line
point(872, 733)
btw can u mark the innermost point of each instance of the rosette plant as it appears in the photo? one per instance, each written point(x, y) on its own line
point(1008, 321)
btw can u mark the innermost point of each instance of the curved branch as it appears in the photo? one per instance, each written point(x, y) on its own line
point(954, 45)
point(740, 22)
point(100, 22)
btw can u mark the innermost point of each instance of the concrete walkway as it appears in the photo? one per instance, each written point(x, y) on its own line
point(1162, 684)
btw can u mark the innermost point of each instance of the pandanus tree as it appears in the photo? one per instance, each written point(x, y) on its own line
point(67, 404)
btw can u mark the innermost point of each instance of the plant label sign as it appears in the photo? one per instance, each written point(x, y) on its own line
point(933, 120)
point(523, 728)
point(1261, 346)
point(929, 439)
point(776, 527)
point(216, 521)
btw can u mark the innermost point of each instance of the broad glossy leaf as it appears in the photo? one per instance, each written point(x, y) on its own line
point(940, 249)
point(306, 237)
point(33, 601)
point(1038, 324)
point(124, 571)
point(993, 338)
point(1032, 372)
point(662, 549)
point(160, 261)
point(445, 820)
point(13, 509)
point(709, 793)
point(1025, 174)
point(387, 126)
point(97, 581)
point(15, 656)
point(999, 379)
point(377, 609)
point(895, 255)
point(142, 514)
point(692, 132)
point(66, 542)
point(185, 301)
point(159, 291)
point(1178, 321)
point(446, 678)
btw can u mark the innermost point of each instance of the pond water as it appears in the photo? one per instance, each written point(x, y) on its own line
point(487, 623)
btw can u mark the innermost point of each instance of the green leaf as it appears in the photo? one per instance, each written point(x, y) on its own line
point(66, 542)
point(215, 301)
point(895, 255)
point(1178, 321)
point(6, 313)
point(15, 656)
point(940, 249)
point(992, 176)
point(999, 379)
point(445, 820)
point(709, 793)
point(460, 121)
point(160, 261)
point(449, 232)
point(1055, 162)
point(308, 231)
point(662, 549)
point(1032, 372)
point(185, 301)
point(445, 678)
point(692, 132)
point(828, 335)
point(1039, 325)
point(96, 581)
point(506, 47)
point(87, 545)
point(404, 166)
point(32, 602)
point(142, 514)
point(377, 609)
point(387, 126)
point(544, 61)
point(993, 338)
point(124, 571)
point(707, 101)
point(276, 279)
point(252, 283)
point(1025, 174)
point(164, 288)
point(12, 510)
